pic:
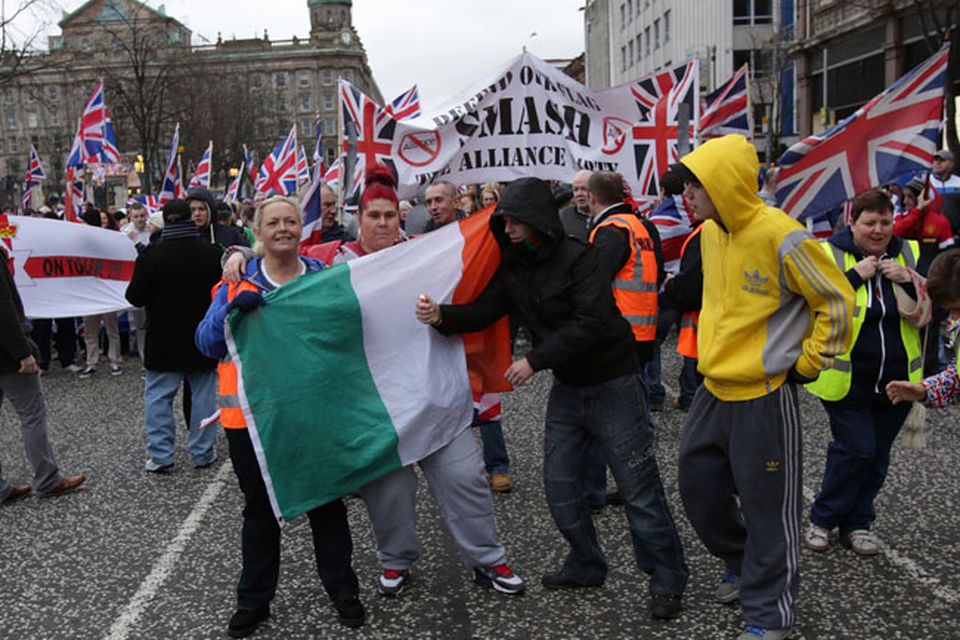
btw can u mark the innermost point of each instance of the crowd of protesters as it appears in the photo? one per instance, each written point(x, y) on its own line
point(594, 283)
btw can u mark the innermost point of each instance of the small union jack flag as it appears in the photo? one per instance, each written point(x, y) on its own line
point(250, 164)
point(406, 106)
point(303, 167)
point(278, 173)
point(233, 191)
point(659, 99)
point(76, 157)
point(895, 133)
point(727, 110)
point(76, 194)
point(96, 130)
point(172, 186)
point(35, 172)
point(374, 128)
point(201, 174)
point(150, 202)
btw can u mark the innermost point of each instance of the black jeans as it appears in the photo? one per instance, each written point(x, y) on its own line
point(332, 544)
point(66, 340)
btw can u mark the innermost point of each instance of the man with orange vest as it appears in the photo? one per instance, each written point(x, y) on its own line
point(628, 254)
point(685, 291)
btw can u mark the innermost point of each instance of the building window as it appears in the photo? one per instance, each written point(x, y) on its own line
point(303, 78)
point(623, 16)
point(55, 117)
point(327, 77)
point(304, 102)
point(347, 74)
point(630, 10)
point(28, 97)
point(328, 102)
point(331, 155)
point(8, 96)
point(53, 93)
point(666, 26)
point(623, 58)
point(281, 103)
point(646, 41)
point(280, 80)
point(752, 12)
point(32, 120)
point(630, 49)
point(11, 120)
point(329, 127)
point(760, 61)
point(656, 33)
point(639, 50)
point(256, 81)
point(638, 8)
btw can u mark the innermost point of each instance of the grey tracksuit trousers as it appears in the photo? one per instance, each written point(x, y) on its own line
point(459, 484)
point(751, 449)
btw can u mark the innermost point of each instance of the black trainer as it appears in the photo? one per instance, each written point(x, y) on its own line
point(665, 606)
point(558, 580)
point(350, 612)
point(245, 621)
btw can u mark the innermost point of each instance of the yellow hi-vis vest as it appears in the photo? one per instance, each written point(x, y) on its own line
point(834, 382)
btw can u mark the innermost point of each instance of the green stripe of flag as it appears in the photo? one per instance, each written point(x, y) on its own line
point(348, 439)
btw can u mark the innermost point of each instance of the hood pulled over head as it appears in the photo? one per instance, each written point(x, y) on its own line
point(530, 201)
point(728, 167)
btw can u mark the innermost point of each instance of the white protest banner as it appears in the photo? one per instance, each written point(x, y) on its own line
point(64, 269)
point(529, 119)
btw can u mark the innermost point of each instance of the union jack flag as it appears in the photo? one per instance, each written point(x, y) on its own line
point(312, 230)
point(172, 186)
point(73, 204)
point(201, 174)
point(727, 110)
point(249, 162)
point(406, 106)
point(233, 191)
point(375, 130)
point(318, 169)
point(76, 157)
point(303, 168)
point(150, 202)
point(96, 130)
point(895, 133)
point(655, 134)
point(35, 172)
point(331, 176)
point(278, 173)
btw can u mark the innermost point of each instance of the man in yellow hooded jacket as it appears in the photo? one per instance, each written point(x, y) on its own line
point(776, 311)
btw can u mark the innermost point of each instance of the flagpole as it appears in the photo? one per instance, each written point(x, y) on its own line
point(339, 150)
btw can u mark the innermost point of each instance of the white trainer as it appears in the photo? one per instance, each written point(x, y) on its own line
point(816, 538)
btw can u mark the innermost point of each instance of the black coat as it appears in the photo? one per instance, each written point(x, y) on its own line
point(555, 286)
point(172, 280)
point(15, 343)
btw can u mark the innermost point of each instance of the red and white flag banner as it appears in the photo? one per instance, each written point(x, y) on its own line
point(66, 270)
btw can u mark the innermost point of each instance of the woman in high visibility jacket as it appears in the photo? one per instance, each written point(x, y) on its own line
point(886, 347)
point(277, 224)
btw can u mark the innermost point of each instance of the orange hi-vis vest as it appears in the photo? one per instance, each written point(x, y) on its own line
point(687, 340)
point(635, 285)
point(231, 414)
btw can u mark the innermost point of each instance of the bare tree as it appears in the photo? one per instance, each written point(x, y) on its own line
point(21, 28)
point(145, 80)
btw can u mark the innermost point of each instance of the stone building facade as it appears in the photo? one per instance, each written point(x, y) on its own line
point(274, 83)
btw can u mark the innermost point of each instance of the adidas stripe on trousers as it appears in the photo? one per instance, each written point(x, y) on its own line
point(740, 480)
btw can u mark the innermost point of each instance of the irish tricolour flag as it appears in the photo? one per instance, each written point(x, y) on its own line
point(340, 384)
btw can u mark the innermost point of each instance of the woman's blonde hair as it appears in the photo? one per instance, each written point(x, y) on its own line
point(258, 215)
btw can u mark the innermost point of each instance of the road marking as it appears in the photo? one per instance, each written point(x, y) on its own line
point(909, 567)
point(163, 567)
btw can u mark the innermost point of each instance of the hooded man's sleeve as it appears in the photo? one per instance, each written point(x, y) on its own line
point(811, 273)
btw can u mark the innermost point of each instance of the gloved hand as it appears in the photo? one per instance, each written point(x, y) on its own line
point(245, 301)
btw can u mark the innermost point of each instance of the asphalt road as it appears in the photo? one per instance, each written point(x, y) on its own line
point(133, 555)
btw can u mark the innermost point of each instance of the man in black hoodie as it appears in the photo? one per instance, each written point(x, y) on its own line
point(172, 280)
point(554, 283)
point(202, 208)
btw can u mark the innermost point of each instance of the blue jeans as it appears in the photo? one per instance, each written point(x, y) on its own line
point(495, 458)
point(858, 458)
point(612, 416)
point(158, 394)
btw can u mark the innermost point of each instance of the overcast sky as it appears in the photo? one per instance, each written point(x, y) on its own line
point(442, 45)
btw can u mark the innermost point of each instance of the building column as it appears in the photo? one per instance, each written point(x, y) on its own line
point(892, 51)
point(804, 116)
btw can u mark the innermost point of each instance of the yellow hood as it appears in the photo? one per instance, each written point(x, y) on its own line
point(727, 168)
